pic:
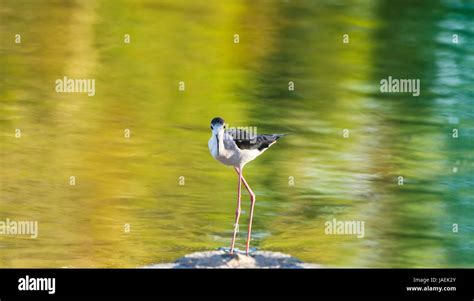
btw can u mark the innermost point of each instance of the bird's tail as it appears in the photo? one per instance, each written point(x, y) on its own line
point(278, 136)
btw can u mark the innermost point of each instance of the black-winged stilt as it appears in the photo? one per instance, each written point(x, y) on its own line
point(237, 147)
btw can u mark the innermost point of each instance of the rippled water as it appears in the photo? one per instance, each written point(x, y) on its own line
point(136, 181)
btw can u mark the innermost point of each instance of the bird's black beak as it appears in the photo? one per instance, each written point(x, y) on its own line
point(217, 139)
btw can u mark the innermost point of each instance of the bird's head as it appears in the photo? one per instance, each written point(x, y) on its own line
point(217, 126)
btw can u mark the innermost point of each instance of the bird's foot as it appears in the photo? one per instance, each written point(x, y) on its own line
point(237, 251)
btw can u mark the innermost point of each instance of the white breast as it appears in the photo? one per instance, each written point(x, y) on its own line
point(229, 153)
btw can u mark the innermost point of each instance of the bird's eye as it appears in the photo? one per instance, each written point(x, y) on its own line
point(224, 127)
point(212, 127)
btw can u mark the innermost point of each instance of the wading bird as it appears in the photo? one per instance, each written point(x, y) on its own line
point(237, 147)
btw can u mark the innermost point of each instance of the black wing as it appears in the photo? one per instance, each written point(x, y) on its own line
point(244, 140)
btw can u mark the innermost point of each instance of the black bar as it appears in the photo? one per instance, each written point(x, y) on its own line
point(310, 282)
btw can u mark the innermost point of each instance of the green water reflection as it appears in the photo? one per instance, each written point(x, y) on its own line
point(136, 181)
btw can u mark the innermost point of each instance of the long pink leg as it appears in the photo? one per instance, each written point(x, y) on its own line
point(252, 204)
point(237, 212)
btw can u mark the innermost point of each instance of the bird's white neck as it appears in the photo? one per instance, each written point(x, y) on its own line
point(218, 148)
